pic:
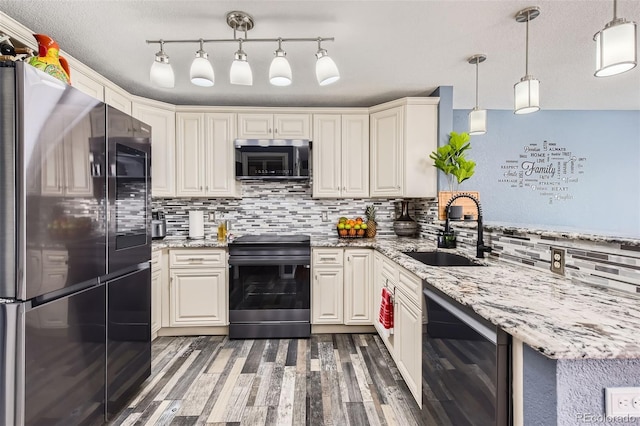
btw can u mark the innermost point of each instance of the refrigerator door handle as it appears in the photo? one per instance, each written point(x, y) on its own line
point(12, 363)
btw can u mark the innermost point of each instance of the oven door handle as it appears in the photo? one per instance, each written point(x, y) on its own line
point(270, 260)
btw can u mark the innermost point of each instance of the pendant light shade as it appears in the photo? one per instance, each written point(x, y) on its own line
point(526, 92)
point(241, 73)
point(527, 95)
point(326, 70)
point(201, 72)
point(616, 46)
point(161, 73)
point(280, 70)
point(477, 116)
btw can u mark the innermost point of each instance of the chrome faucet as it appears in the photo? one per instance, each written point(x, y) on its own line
point(480, 247)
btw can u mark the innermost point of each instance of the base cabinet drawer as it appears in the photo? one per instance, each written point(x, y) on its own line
point(184, 258)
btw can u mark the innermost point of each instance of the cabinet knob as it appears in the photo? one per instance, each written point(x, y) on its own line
point(276, 130)
point(200, 188)
point(269, 129)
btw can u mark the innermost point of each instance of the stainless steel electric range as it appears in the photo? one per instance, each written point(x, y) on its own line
point(270, 287)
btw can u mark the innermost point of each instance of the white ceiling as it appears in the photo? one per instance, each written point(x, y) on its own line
point(384, 49)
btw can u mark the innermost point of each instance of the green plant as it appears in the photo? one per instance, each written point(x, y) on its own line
point(451, 160)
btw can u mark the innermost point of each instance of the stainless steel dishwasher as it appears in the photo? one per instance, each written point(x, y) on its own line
point(465, 365)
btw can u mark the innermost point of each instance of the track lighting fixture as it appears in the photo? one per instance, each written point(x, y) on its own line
point(240, 73)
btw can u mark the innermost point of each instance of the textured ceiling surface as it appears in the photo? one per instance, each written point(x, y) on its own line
point(384, 49)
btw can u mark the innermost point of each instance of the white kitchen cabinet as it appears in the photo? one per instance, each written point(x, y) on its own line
point(342, 285)
point(157, 284)
point(205, 163)
point(403, 134)
point(358, 287)
point(87, 84)
point(405, 344)
point(198, 293)
point(274, 126)
point(117, 98)
point(162, 119)
point(66, 166)
point(341, 155)
point(408, 343)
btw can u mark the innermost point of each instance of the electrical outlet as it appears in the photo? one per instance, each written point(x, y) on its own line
point(622, 401)
point(557, 260)
point(212, 216)
point(325, 217)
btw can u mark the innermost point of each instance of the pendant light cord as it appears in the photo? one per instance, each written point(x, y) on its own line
point(477, 62)
point(615, 9)
point(526, 60)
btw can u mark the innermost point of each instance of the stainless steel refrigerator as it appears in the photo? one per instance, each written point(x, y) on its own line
point(74, 252)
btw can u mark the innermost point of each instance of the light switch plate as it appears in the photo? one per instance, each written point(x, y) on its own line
point(622, 401)
point(212, 216)
point(325, 217)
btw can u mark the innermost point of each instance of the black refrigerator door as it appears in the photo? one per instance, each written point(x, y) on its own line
point(52, 198)
point(129, 189)
point(65, 361)
point(128, 337)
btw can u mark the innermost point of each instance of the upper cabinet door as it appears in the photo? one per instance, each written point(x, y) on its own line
point(255, 126)
point(274, 126)
point(87, 85)
point(327, 155)
point(163, 147)
point(190, 154)
point(220, 131)
point(387, 152)
point(292, 126)
point(355, 156)
point(117, 99)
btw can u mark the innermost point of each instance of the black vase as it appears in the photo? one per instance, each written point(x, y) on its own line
point(405, 226)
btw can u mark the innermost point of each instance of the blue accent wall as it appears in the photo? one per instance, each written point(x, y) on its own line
point(603, 199)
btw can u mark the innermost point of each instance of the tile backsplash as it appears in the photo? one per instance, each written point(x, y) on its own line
point(283, 207)
point(601, 263)
point(286, 207)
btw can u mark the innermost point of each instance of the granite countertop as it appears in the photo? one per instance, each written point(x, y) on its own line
point(184, 242)
point(556, 316)
point(559, 318)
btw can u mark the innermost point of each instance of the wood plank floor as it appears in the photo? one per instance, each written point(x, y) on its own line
point(329, 379)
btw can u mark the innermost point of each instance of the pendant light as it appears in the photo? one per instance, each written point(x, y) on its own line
point(201, 72)
point(477, 116)
point(326, 70)
point(240, 72)
point(161, 73)
point(616, 48)
point(527, 90)
point(280, 70)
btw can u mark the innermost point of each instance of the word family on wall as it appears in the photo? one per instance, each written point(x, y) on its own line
point(547, 168)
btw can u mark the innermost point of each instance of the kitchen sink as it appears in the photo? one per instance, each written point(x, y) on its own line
point(441, 258)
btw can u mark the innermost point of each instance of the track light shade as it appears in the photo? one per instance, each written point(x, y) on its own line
point(280, 70)
point(161, 73)
point(326, 70)
point(240, 72)
point(201, 72)
point(616, 48)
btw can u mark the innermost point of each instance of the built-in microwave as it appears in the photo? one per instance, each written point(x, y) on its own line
point(272, 158)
